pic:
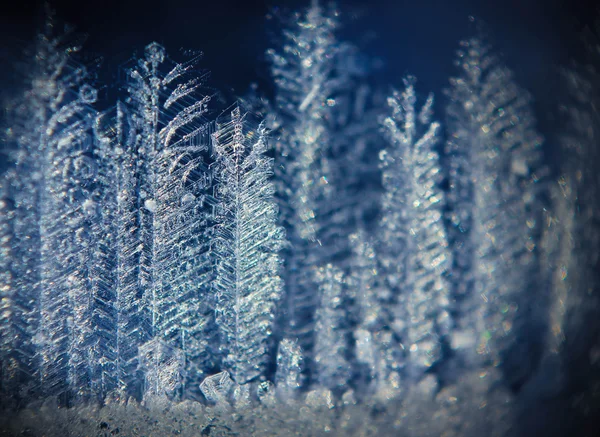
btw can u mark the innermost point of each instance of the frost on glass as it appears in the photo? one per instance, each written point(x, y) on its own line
point(246, 243)
point(496, 183)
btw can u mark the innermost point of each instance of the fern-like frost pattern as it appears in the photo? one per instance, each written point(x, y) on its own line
point(330, 256)
point(247, 241)
point(496, 176)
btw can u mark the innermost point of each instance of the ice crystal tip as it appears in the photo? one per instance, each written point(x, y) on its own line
point(155, 53)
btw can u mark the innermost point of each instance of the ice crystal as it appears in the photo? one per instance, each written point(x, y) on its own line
point(218, 388)
point(163, 272)
point(324, 158)
point(496, 181)
point(56, 274)
point(164, 369)
point(571, 230)
point(331, 346)
point(413, 249)
point(246, 244)
point(171, 263)
point(301, 71)
point(288, 377)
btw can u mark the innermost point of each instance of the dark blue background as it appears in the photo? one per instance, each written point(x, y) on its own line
point(416, 37)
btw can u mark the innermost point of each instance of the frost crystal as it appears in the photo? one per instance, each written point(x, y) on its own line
point(164, 369)
point(170, 262)
point(17, 306)
point(413, 248)
point(218, 388)
point(332, 343)
point(54, 232)
point(495, 182)
point(288, 377)
point(247, 241)
point(571, 231)
point(166, 273)
point(378, 353)
point(309, 76)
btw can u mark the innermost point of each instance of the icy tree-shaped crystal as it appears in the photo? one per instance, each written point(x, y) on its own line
point(186, 318)
point(167, 266)
point(302, 75)
point(495, 172)
point(69, 226)
point(56, 222)
point(305, 78)
point(332, 330)
point(573, 227)
point(18, 290)
point(123, 318)
point(25, 189)
point(413, 247)
point(246, 245)
point(557, 246)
